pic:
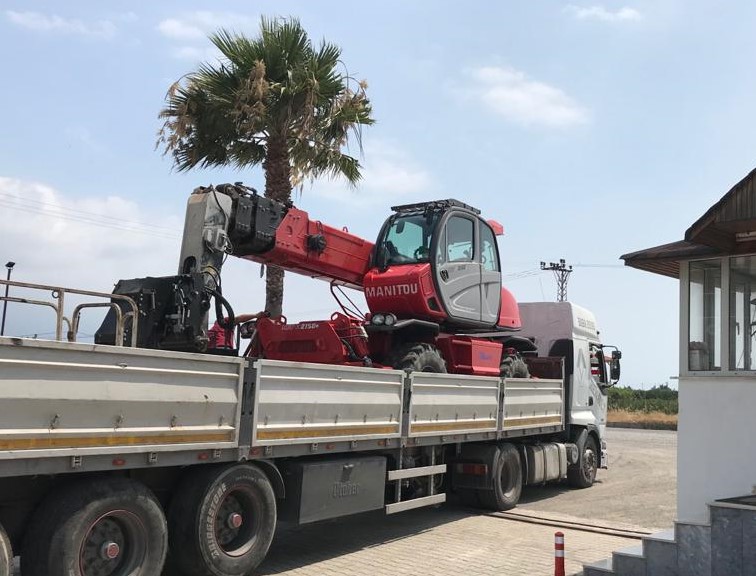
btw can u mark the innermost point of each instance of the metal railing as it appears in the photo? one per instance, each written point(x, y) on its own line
point(58, 295)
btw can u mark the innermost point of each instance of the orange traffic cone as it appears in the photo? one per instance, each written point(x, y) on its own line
point(559, 554)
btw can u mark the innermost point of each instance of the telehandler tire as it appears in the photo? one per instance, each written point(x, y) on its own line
point(6, 554)
point(418, 357)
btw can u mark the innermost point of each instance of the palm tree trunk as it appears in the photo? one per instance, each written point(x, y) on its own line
point(277, 187)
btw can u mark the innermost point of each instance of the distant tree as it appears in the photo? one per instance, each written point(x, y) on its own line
point(275, 101)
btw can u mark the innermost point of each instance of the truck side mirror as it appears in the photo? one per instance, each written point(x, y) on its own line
point(614, 370)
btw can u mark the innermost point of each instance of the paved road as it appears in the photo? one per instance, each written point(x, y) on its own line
point(638, 490)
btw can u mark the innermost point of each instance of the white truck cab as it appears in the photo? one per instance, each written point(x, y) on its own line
point(570, 331)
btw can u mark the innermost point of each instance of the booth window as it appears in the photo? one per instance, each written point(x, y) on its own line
point(742, 325)
point(704, 340)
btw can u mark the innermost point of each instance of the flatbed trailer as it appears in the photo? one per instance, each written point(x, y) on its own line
point(81, 414)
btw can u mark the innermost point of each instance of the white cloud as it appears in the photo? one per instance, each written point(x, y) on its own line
point(51, 23)
point(196, 54)
point(85, 242)
point(517, 98)
point(388, 174)
point(623, 14)
point(191, 30)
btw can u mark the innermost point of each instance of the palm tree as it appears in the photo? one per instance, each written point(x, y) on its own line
point(274, 101)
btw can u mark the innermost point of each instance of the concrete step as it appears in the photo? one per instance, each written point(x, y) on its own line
point(660, 550)
point(693, 548)
point(629, 561)
point(600, 568)
point(733, 531)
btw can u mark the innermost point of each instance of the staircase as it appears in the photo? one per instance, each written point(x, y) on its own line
point(724, 547)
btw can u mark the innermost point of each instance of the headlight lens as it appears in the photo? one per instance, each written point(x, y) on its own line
point(390, 320)
point(378, 319)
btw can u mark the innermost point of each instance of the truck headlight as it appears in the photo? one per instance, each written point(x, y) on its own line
point(378, 319)
point(389, 320)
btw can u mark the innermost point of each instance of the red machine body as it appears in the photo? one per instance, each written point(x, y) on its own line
point(315, 249)
point(406, 291)
point(340, 340)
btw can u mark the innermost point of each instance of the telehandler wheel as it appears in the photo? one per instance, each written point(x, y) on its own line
point(514, 367)
point(6, 554)
point(583, 474)
point(418, 357)
point(222, 520)
point(98, 527)
point(507, 480)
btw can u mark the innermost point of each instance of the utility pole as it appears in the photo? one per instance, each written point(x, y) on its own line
point(562, 273)
point(9, 266)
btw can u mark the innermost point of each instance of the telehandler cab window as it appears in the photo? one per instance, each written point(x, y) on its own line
point(489, 256)
point(408, 240)
point(459, 239)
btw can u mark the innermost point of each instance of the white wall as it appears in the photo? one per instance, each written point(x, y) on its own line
point(716, 444)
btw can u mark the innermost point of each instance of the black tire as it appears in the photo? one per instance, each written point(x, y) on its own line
point(204, 541)
point(112, 526)
point(6, 554)
point(507, 481)
point(583, 474)
point(417, 357)
point(514, 367)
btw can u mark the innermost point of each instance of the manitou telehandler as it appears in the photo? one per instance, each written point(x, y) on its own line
point(432, 282)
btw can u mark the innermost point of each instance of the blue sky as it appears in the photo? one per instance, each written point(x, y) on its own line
point(587, 129)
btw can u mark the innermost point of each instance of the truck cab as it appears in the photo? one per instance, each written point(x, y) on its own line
point(590, 367)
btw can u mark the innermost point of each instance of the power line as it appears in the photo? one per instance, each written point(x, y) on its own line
point(134, 227)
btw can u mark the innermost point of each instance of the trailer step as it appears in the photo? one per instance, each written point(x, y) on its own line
point(415, 503)
point(416, 472)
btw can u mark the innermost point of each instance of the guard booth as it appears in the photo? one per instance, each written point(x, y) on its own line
point(716, 268)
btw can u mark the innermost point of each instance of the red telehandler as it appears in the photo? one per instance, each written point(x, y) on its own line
point(432, 282)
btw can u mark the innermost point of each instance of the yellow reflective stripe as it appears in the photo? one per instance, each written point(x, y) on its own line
point(48, 442)
point(446, 426)
point(325, 432)
point(535, 421)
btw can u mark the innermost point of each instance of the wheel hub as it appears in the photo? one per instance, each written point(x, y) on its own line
point(110, 551)
point(235, 521)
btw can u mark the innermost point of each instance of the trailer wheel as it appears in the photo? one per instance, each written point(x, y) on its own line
point(104, 527)
point(583, 474)
point(222, 521)
point(418, 357)
point(507, 481)
point(6, 554)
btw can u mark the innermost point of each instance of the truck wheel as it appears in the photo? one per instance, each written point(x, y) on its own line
point(6, 554)
point(582, 474)
point(507, 481)
point(418, 357)
point(104, 527)
point(222, 521)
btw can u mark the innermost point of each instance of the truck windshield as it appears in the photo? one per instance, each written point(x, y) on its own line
point(406, 240)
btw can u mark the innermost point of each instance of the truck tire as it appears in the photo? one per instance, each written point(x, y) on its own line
point(6, 554)
point(583, 474)
point(221, 520)
point(507, 480)
point(418, 357)
point(112, 526)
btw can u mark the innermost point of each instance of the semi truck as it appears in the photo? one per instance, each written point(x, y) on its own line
point(164, 446)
